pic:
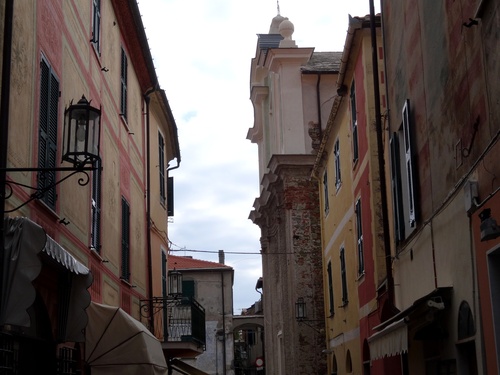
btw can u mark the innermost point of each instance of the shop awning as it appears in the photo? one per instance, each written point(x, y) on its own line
point(116, 343)
point(391, 341)
point(24, 240)
point(392, 336)
point(27, 249)
point(184, 368)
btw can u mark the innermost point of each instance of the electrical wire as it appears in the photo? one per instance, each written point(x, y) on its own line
point(240, 252)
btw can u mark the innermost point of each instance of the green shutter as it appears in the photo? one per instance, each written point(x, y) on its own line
point(170, 196)
point(48, 124)
point(188, 288)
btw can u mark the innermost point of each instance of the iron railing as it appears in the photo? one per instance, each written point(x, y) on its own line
point(176, 319)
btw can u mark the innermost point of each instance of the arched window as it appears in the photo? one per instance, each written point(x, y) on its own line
point(466, 326)
point(334, 365)
point(348, 362)
point(366, 358)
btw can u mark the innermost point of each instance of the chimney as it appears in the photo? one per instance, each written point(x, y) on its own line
point(221, 257)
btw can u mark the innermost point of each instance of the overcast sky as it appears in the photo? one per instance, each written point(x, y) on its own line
point(202, 51)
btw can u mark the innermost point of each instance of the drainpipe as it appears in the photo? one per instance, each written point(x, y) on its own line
point(318, 104)
point(148, 208)
point(4, 123)
point(223, 324)
point(381, 162)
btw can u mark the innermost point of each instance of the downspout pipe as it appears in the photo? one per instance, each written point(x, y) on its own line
point(381, 161)
point(318, 103)
point(148, 207)
point(223, 323)
point(4, 124)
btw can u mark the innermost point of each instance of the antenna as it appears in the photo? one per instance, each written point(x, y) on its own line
point(278, 4)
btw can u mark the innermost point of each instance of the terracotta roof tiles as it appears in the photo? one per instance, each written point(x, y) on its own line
point(184, 263)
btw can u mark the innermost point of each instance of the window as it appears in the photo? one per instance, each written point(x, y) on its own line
point(330, 287)
point(123, 84)
point(325, 192)
point(161, 167)
point(359, 232)
point(348, 362)
point(95, 229)
point(343, 275)
point(125, 267)
point(354, 124)
point(48, 123)
point(96, 25)
point(170, 196)
point(336, 151)
point(403, 178)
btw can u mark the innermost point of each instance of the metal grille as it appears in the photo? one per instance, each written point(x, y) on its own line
point(9, 355)
point(66, 363)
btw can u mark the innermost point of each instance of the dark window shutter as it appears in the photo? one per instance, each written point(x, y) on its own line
point(161, 166)
point(170, 196)
point(123, 81)
point(96, 24)
point(409, 163)
point(359, 228)
point(96, 209)
point(125, 271)
point(325, 192)
point(343, 274)
point(188, 288)
point(355, 146)
point(330, 287)
point(48, 123)
point(397, 200)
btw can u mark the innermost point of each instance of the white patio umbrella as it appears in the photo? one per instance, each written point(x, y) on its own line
point(116, 343)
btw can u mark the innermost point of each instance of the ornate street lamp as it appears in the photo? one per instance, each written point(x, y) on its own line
point(174, 284)
point(80, 148)
point(81, 133)
point(300, 309)
point(301, 315)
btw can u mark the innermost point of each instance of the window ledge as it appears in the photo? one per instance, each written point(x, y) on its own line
point(96, 254)
point(127, 282)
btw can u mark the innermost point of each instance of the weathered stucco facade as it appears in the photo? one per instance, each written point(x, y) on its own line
point(441, 58)
point(59, 52)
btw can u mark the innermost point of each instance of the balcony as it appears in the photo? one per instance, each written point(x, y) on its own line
point(183, 335)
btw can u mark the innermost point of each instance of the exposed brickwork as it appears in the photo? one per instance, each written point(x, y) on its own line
point(291, 238)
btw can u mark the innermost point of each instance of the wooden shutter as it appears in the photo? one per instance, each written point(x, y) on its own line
point(161, 166)
point(330, 287)
point(96, 24)
point(336, 150)
point(397, 200)
point(325, 192)
point(188, 288)
point(125, 271)
point(48, 124)
point(123, 82)
point(355, 146)
point(96, 208)
point(170, 196)
point(343, 274)
point(409, 163)
point(359, 228)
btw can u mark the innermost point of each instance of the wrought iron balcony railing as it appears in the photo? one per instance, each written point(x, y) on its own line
point(176, 319)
